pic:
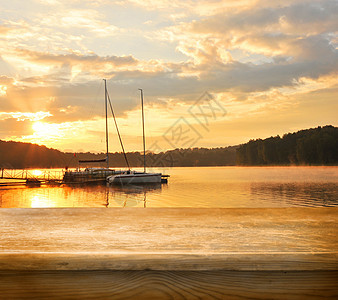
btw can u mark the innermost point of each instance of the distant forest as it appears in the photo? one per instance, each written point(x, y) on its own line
point(24, 155)
point(315, 146)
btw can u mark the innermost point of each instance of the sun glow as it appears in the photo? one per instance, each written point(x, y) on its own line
point(37, 172)
point(45, 130)
point(3, 90)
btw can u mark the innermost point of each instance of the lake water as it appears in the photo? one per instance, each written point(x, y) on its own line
point(213, 187)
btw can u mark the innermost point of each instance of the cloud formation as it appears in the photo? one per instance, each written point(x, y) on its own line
point(249, 54)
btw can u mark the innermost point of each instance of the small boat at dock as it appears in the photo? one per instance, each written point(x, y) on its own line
point(122, 177)
point(96, 175)
point(88, 175)
point(134, 177)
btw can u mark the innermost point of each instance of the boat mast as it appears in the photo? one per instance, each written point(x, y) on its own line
point(106, 109)
point(144, 139)
point(118, 132)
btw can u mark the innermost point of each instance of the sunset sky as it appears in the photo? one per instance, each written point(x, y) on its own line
point(214, 73)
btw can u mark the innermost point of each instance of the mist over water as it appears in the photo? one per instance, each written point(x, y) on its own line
point(207, 187)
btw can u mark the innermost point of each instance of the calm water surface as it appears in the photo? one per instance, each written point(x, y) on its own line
point(214, 187)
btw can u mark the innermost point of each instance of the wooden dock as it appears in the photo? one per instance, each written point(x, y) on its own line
point(169, 253)
point(29, 177)
point(14, 177)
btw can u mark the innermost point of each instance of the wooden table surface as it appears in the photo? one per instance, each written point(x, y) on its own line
point(168, 253)
point(294, 239)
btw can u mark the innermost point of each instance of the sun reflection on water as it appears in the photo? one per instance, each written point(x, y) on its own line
point(193, 187)
point(40, 201)
point(36, 172)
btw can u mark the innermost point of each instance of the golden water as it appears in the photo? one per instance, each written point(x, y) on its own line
point(195, 187)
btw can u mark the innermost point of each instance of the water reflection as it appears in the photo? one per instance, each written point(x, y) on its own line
point(297, 193)
point(215, 187)
point(41, 201)
point(131, 195)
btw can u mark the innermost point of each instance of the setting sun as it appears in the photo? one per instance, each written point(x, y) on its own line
point(44, 130)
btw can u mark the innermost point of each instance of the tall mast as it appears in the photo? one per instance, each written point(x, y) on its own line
point(144, 139)
point(118, 132)
point(106, 109)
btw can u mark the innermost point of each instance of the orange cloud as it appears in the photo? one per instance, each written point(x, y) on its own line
point(258, 57)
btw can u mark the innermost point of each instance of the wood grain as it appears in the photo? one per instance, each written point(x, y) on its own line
point(132, 253)
point(168, 285)
point(169, 239)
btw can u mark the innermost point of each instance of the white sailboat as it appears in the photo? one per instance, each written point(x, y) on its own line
point(134, 177)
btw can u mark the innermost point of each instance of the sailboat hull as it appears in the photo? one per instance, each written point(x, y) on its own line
point(135, 178)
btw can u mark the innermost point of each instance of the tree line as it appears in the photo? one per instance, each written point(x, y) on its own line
point(315, 146)
point(20, 155)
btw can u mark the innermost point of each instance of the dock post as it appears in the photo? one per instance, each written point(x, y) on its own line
point(2, 172)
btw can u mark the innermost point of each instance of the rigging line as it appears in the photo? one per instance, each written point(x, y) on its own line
point(118, 132)
point(94, 111)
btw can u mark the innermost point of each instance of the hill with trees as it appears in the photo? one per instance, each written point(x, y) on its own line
point(315, 146)
point(19, 155)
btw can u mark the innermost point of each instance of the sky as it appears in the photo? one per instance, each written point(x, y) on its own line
point(214, 73)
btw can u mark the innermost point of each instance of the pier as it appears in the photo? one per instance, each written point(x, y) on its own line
point(30, 177)
point(36, 177)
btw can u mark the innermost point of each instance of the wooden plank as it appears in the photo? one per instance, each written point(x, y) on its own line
point(293, 239)
point(168, 285)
